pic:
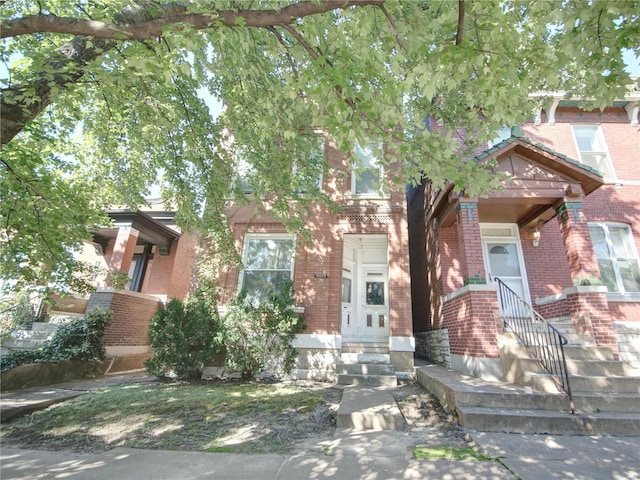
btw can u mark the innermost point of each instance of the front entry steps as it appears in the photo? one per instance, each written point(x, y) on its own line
point(503, 407)
point(366, 364)
point(606, 394)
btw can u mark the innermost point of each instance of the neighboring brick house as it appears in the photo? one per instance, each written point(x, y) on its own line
point(564, 234)
point(146, 247)
point(352, 279)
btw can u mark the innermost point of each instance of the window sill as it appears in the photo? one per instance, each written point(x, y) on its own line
point(623, 297)
point(355, 196)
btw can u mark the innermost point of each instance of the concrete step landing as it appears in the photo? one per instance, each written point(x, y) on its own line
point(548, 421)
point(368, 409)
point(366, 374)
point(504, 407)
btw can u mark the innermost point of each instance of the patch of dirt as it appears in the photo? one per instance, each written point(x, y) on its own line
point(426, 421)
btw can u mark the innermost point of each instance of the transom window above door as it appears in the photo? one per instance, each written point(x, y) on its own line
point(268, 264)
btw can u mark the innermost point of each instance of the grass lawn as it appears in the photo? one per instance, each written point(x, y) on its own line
point(228, 417)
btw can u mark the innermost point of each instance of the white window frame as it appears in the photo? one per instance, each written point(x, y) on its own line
point(613, 259)
point(380, 193)
point(248, 237)
point(609, 173)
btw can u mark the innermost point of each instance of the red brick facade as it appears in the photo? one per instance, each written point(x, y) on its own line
point(130, 313)
point(555, 197)
point(318, 267)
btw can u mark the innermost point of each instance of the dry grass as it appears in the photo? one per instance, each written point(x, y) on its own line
point(230, 417)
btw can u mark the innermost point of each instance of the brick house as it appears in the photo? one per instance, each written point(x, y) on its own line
point(351, 280)
point(148, 248)
point(563, 234)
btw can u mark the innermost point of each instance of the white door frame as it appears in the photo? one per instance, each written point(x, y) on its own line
point(512, 237)
point(354, 316)
point(347, 311)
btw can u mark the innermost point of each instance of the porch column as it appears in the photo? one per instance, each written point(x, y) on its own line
point(583, 264)
point(123, 249)
point(588, 304)
point(471, 260)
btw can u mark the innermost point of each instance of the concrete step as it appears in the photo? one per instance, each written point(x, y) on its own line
point(584, 402)
point(383, 358)
point(61, 317)
point(368, 409)
point(367, 380)
point(44, 327)
point(588, 352)
point(365, 368)
point(578, 340)
point(548, 421)
point(21, 343)
point(564, 328)
point(365, 347)
point(606, 402)
point(597, 367)
point(576, 367)
point(504, 407)
point(541, 382)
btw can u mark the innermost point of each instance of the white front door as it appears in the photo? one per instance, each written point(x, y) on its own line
point(373, 316)
point(503, 257)
point(365, 289)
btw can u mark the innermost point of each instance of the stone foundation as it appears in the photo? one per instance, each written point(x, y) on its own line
point(433, 346)
point(628, 338)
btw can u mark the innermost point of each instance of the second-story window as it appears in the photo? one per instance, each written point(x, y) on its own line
point(593, 149)
point(245, 174)
point(367, 173)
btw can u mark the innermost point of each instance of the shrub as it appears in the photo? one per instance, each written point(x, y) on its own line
point(79, 339)
point(258, 336)
point(185, 335)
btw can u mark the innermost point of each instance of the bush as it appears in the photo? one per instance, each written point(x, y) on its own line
point(79, 339)
point(258, 337)
point(185, 336)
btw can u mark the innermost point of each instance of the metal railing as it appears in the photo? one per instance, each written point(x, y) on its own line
point(540, 338)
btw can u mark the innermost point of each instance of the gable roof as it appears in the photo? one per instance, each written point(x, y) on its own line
point(537, 177)
point(588, 177)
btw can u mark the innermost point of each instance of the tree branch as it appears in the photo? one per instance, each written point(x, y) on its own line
point(172, 14)
point(93, 38)
point(286, 48)
point(393, 25)
point(460, 22)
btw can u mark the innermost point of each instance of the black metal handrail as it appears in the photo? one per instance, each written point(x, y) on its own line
point(540, 338)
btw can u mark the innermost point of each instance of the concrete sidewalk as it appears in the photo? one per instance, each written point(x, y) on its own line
point(368, 455)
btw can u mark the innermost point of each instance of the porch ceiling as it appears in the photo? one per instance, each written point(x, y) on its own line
point(150, 230)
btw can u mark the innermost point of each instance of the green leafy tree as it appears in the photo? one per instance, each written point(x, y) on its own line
point(99, 97)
